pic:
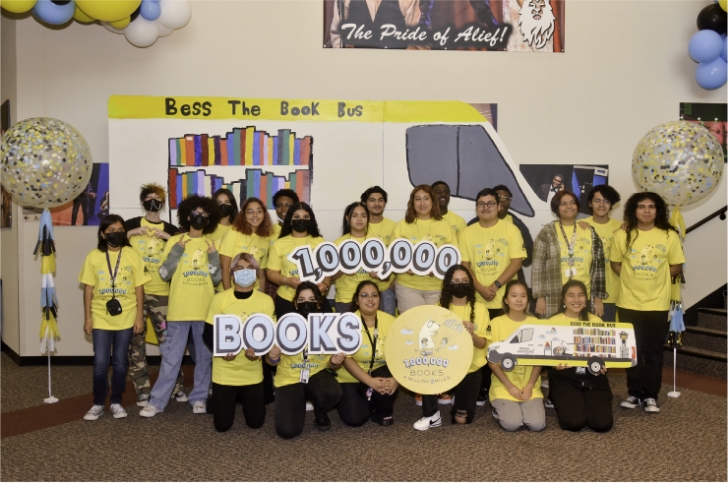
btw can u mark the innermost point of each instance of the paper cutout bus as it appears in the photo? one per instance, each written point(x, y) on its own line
point(595, 345)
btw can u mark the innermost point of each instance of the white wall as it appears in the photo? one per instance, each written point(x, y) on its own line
point(625, 70)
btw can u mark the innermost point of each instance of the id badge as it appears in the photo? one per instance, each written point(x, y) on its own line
point(581, 370)
point(570, 272)
point(304, 376)
point(369, 394)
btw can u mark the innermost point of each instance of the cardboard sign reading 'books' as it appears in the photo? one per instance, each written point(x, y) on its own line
point(373, 255)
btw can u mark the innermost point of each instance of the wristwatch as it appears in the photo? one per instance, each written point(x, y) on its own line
point(497, 284)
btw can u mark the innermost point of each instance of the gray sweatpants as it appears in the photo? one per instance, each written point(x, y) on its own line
point(512, 415)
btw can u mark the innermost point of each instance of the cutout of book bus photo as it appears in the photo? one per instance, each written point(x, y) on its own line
point(593, 345)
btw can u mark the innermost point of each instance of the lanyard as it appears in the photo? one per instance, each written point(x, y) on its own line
point(569, 245)
point(116, 270)
point(305, 357)
point(372, 342)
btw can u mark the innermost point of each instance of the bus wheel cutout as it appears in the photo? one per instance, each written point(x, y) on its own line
point(595, 365)
point(508, 362)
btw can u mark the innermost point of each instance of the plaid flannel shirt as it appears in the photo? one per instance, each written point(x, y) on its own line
point(546, 278)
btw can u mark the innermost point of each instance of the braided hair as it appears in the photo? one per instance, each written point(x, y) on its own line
point(446, 294)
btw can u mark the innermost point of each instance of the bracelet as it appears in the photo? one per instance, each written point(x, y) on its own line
point(274, 360)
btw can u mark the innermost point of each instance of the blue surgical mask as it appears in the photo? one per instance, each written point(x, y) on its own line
point(245, 277)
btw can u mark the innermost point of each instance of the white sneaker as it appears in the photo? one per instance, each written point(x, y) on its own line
point(495, 414)
point(547, 403)
point(200, 407)
point(143, 400)
point(631, 403)
point(651, 406)
point(444, 399)
point(544, 383)
point(94, 413)
point(149, 411)
point(309, 406)
point(117, 411)
point(180, 396)
point(430, 422)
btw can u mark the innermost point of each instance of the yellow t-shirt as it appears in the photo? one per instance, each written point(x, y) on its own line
point(278, 259)
point(438, 232)
point(489, 252)
point(190, 290)
point(645, 280)
point(457, 222)
point(582, 255)
point(241, 371)
point(130, 275)
point(289, 368)
point(276, 232)
point(481, 321)
point(384, 232)
point(606, 233)
point(363, 356)
point(235, 242)
point(346, 284)
point(500, 329)
point(151, 248)
point(508, 219)
point(218, 234)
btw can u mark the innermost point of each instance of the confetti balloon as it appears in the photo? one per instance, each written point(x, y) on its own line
point(44, 162)
point(680, 160)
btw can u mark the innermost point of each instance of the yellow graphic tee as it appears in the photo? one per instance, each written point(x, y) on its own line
point(645, 281)
point(606, 233)
point(191, 289)
point(278, 260)
point(582, 258)
point(218, 234)
point(346, 284)
point(438, 232)
point(363, 357)
point(130, 275)
point(151, 248)
point(489, 252)
point(289, 367)
point(384, 232)
point(500, 329)
point(457, 222)
point(241, 371)
point(276, 232)
point(482, 319)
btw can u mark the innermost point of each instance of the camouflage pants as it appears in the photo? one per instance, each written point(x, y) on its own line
point(155, 307)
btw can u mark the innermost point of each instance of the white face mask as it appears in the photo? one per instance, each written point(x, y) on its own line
point(245, 277)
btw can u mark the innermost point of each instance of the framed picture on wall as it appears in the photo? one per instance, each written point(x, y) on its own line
point(713, 116)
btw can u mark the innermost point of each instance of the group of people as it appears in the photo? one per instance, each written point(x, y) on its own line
point(225, 260)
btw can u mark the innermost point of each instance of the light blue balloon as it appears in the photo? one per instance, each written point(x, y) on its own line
point(705, 46)
point(725, 46)
point(150, 10)
point(712, 75)
point(52, 13)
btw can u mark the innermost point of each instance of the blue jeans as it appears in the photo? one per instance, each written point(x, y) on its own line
point(103, 341)
point(388, 302)
point(173, 350)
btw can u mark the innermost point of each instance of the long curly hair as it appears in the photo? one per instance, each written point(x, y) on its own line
point(354, 306)
point(584, 314)
point(411, 214)
point(446, 293)
point(346, 224)
point(185, 209)
point(630, 214)
point(313, 228)
point(241, 223)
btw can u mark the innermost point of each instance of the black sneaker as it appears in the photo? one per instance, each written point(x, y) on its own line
point(323, 423)
point(388, 421)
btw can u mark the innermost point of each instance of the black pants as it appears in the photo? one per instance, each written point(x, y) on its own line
point(355, 410)
point(650, 329)
point(486, 372)
point(466, 395)
point(581, 400)
point(323, 390)
point(224, 399)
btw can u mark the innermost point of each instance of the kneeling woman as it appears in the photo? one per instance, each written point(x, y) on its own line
point(240, 376)
point(304, 376)
point(516, 395)
point(458, 296)
point(580, 399)
point(368, 388)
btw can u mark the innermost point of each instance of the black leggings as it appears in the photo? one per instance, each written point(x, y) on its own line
point(466, 395)
point(580, 406)
point(224, 399)
point(650, 329)
point(355, 410)
point(323, 390)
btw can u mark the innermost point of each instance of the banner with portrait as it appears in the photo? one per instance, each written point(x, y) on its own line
point(493, 25)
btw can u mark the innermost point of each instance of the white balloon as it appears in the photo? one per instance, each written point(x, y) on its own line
point(111, 28)
point(164, 31)
point(141, 32)
point(175, 13)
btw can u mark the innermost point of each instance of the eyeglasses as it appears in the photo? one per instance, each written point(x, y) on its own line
point(254, 212)
point(601, 202)
point(284, 205)
point(483, 204)
point(366, 295)
point(505, 198)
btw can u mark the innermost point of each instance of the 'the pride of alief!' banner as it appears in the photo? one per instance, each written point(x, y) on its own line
point(494, 25)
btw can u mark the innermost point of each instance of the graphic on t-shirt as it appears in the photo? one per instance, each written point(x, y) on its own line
point(646, 261)
point(154, 248)
point(198, 260)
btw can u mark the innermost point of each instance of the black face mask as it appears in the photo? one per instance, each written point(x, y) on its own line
point(226, 210)
point(153, 205)
point(306, 308)
point(300, 226)
point(459, 290)
point(198, 222)
point(116, 238)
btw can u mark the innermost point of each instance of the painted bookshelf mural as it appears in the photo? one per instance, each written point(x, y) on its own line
point(241, 148)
